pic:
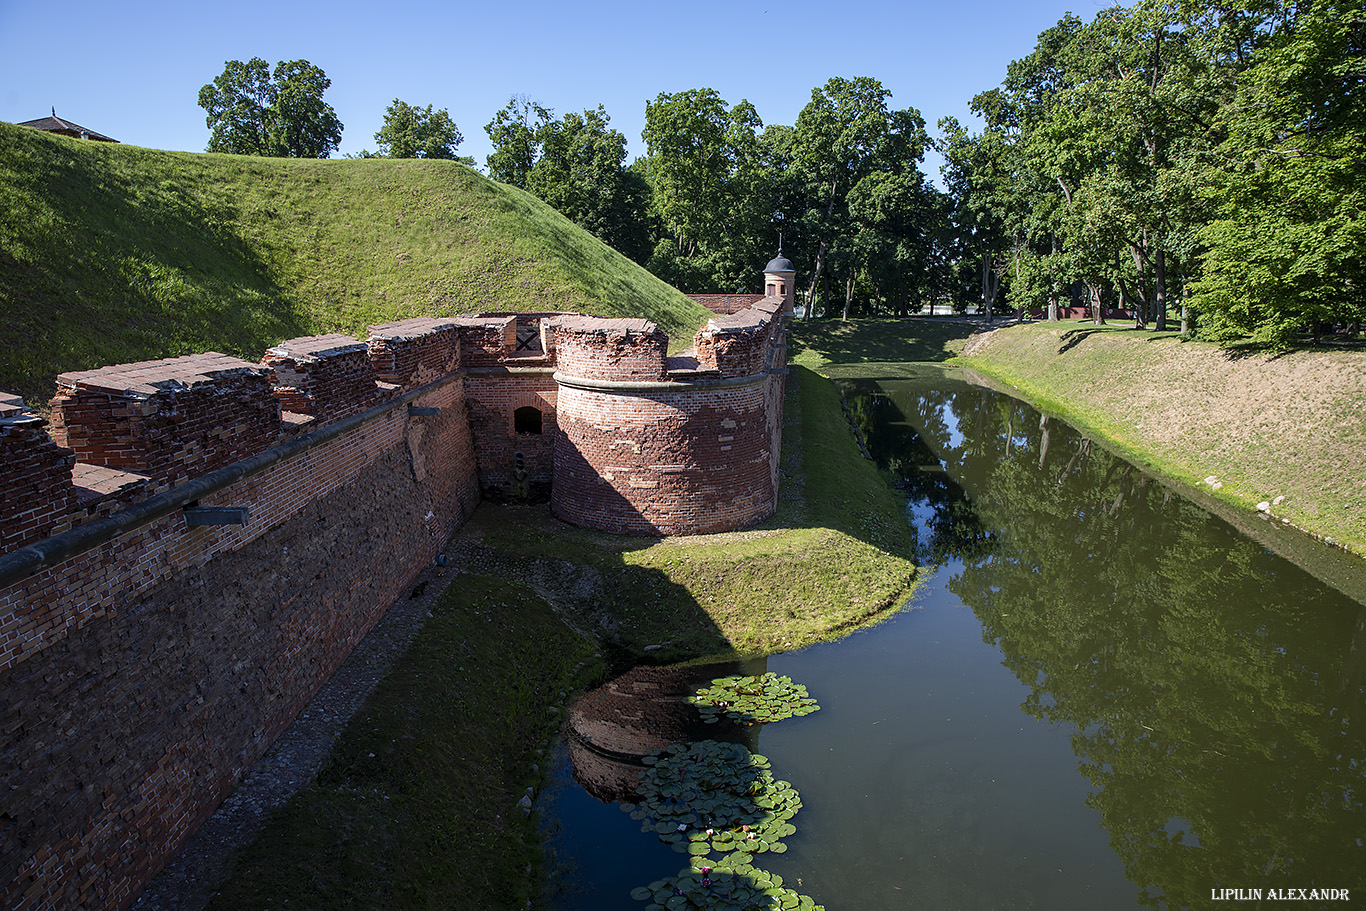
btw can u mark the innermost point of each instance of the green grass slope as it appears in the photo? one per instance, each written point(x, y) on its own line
point(1289, 426)
point(111, 254)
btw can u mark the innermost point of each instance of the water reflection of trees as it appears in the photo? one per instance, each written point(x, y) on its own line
point(1216, 690)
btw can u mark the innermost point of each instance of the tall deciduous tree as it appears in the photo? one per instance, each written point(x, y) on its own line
point(413, 132)
point(577, 165)
point(844, 135)
point(516, 133)
point(252, 111)
point(581, 171)
point(1288, 250)
point(711, 189)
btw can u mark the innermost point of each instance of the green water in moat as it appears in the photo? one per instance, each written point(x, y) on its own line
point(1106, 698)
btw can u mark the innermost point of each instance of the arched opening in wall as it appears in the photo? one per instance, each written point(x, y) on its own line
point(527, 419)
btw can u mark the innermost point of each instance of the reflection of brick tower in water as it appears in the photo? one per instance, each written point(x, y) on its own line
point(645, 709)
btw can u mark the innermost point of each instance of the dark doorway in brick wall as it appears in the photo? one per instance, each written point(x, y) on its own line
point(527, 419)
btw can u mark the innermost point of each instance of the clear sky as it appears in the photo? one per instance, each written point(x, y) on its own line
point(132, 69)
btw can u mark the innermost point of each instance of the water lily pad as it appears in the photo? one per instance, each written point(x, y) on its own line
point(749, 699)
point(641, 893)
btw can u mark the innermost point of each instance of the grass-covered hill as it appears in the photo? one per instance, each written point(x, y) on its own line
point(111, 254)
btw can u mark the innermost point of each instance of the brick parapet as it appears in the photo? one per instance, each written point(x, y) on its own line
point(739, 344)
point(593, 347)
point(37, 497)
point(328, 377)
point(169, 419)
point(726, 303)
point(414, 352)
point(486, 341)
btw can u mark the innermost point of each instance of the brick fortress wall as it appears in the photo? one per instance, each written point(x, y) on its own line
point(650, 444)
point(145, 667)
point(150, 653)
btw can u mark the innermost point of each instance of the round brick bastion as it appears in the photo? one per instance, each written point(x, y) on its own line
point(656, 445)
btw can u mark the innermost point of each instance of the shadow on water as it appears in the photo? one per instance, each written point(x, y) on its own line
point(1215, 690)
point(1129, 661)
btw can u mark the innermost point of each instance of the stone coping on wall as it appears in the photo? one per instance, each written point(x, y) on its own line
point(408, 330)
point(316, 347)
point(147, 378)
point(11, 406)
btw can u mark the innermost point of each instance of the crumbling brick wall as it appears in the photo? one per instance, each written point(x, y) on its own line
point(142, 674)
point(691, 453)
point(146, 662)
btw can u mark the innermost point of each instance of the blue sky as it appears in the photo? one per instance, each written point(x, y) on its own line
point(133, 69)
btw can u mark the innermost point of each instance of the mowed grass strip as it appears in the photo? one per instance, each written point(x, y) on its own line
point(837, 555)
point(417, 805)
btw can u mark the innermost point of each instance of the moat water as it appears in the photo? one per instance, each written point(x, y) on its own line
point(1103, 696)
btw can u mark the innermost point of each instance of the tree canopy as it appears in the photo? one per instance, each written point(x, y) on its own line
point(413, 132)
point(281, 114)
point(1176, 157)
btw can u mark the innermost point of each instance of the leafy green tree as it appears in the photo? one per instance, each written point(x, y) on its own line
point(516, 133)
point(581, 172)
point(845, 134)
point(577, 165)
point(413, 132)
point(252, 111)
point(711, 189)
point(1288, 249)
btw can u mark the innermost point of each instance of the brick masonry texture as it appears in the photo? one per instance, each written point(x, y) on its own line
point(141, 674)
point(668, 458)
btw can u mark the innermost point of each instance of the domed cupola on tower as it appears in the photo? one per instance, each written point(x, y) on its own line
point(778, 280)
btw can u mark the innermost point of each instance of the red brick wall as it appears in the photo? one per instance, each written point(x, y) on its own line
point(688, 462)
point(609, 349)
point(36, 493)
point(414, 352)
point(492, 397)
point(327, 376)
point(668, 457)
point(171, 420)
point(141, 677)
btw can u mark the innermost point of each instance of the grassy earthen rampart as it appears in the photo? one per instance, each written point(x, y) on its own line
point(1287, 430)
point(113, 254)
point(1263, 426)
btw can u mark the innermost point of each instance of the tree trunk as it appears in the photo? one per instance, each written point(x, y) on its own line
point(1160, 282)
point(1053, 290)
point(1140, 267)
point(1097, 305)
point(815, 280)
point(848, 292)
point(1187, 320)
point(1043, 439)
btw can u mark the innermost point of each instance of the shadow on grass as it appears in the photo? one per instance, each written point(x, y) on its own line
point(924, 339)
point(112, 258)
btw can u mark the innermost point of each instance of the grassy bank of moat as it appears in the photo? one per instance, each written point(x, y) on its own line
point(1287, 430)
point(417, 806)
point(1249, 427)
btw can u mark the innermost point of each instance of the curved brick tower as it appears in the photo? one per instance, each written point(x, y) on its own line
point(654, 445)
